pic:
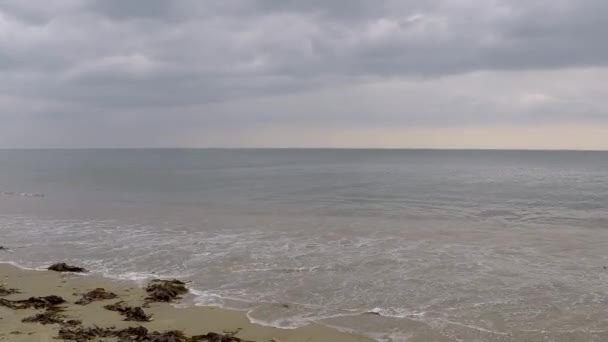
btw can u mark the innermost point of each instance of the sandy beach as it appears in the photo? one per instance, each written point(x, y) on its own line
point(164, 316)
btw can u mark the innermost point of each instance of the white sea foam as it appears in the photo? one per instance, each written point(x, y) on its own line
point(397, 312)
point(441, 280)
point(22, 194)
point(18, 265)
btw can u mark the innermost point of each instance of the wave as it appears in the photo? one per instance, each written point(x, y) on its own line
point(381, 276)
point(22, 194)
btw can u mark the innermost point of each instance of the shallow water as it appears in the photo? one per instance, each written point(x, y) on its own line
point(443, 245)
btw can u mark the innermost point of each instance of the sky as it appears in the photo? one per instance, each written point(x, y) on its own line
point(529, 74)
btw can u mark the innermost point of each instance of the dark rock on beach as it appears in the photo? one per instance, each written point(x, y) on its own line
point(136, 314)
point(63, 267)
point(165, 290)
point(96, 295)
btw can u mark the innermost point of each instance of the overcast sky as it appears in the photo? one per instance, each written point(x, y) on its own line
point(304, 73)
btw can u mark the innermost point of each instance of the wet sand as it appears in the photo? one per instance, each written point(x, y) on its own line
point(165, 316)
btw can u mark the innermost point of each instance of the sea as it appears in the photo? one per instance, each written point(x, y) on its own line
point(397, 245)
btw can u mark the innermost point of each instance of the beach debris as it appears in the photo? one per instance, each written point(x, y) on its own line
point(169, 336)
point(165, 290)
point(138, 334)
point(95, 295)
point(81, 334)
point(51, 317)
point(5, 292)
point(215, 337)
point(232, 332)
point(48, 302)
point(63, 267)
point(136, 314)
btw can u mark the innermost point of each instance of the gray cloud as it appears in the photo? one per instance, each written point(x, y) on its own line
point(105, 59)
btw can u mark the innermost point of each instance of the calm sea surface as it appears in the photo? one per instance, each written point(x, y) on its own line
point(440, 245)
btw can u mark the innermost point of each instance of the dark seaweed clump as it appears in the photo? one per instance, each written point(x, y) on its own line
point(165, 290)
point(139, 334)
point(5, 292)
point(72, 330)
point(51, 317)
point(96, 295)
point(47, 302)
point(136, 314)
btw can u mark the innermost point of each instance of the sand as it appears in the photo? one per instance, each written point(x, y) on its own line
point(165, 316)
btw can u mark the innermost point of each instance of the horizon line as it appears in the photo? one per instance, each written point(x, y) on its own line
point(306, 148)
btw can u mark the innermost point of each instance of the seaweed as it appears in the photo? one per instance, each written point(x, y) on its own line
point(165, 290)
point(5, 292)
point(139, 334)
point(95, 295)
point(46, 302)
point(51, 317)
point(136, 314)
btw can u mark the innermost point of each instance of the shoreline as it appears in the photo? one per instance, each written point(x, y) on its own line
point(197, 320)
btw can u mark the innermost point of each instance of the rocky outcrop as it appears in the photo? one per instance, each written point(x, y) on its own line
point(63, 267)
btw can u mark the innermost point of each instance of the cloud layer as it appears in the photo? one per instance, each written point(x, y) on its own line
point(147, 72)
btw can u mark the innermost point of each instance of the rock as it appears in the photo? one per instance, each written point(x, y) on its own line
point(2, 248)
point(95, 295)
point(47, 302)
point(165, 290)
point(63, 267)
point(136, 314)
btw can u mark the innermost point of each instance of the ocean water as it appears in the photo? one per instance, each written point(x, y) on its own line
point(400, 245)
